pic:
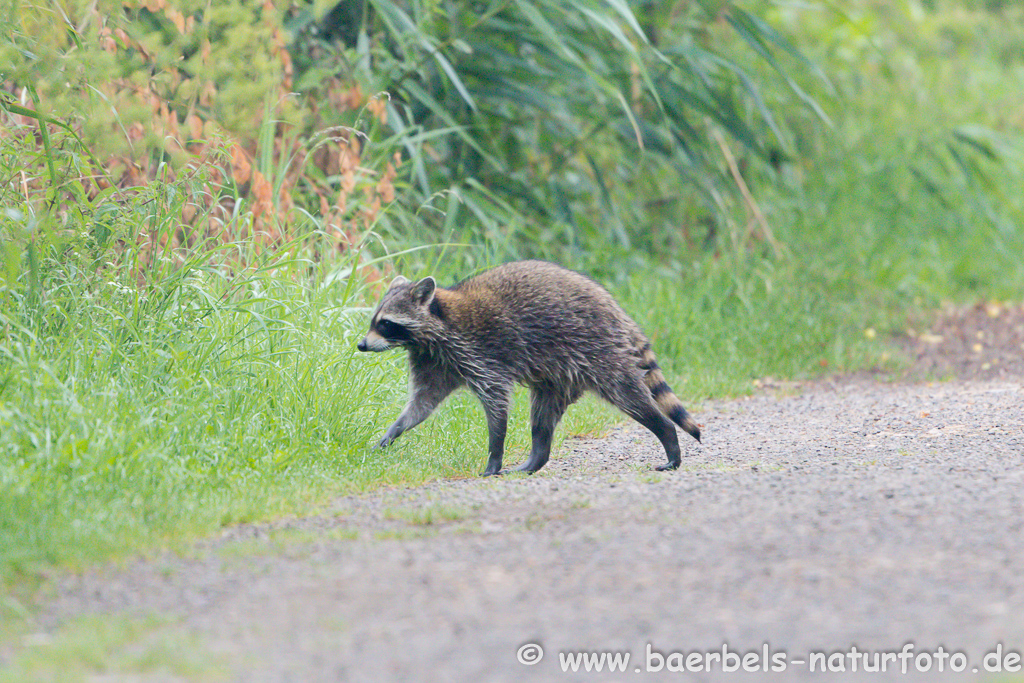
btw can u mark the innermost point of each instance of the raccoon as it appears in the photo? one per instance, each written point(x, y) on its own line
point(528, 322)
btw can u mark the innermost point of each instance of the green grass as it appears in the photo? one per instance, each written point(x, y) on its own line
point(110, 648)
point(142, 419)
point(286, 542)
point(428, 515)
point(132, 420)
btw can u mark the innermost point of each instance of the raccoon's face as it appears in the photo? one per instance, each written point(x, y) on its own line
point(403, 310)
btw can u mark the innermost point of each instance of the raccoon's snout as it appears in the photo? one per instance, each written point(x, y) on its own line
point(373, 342)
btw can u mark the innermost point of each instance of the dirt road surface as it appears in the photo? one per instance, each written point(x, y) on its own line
point(817, 518)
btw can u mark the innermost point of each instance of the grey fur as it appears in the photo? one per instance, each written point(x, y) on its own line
point(530, 322)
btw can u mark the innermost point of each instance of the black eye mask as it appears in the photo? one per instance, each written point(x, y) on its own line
point(391, 330)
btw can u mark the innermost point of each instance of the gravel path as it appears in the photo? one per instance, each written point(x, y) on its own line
point(814, 518)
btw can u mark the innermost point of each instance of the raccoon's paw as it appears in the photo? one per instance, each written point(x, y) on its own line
point(394, 431)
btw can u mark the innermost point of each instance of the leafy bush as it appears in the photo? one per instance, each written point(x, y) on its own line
point(545, 118)
point(559, 116)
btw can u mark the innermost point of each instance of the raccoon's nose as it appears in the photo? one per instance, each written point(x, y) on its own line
point(361, 345)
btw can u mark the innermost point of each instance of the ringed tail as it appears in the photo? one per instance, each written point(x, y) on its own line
point(667, 401)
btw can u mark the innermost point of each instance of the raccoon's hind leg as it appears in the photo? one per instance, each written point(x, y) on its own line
point(427, 391)
point(652, 418)
point(634, 399)
point(547, 405)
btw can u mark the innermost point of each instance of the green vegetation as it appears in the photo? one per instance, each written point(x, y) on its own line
point(182, 287)
point(427, 516)
point(117, 647)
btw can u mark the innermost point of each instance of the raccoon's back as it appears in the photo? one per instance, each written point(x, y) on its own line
point(560, 322)
point(543, 290)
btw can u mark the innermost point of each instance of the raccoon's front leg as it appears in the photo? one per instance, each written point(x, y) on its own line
point(427, 391)
point(495, 401)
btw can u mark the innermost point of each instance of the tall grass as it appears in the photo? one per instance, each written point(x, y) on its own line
point(137, 417)
point(151, 393)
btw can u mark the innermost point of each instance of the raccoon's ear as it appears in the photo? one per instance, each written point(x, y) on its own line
point(400, 280)
point(423, 291)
